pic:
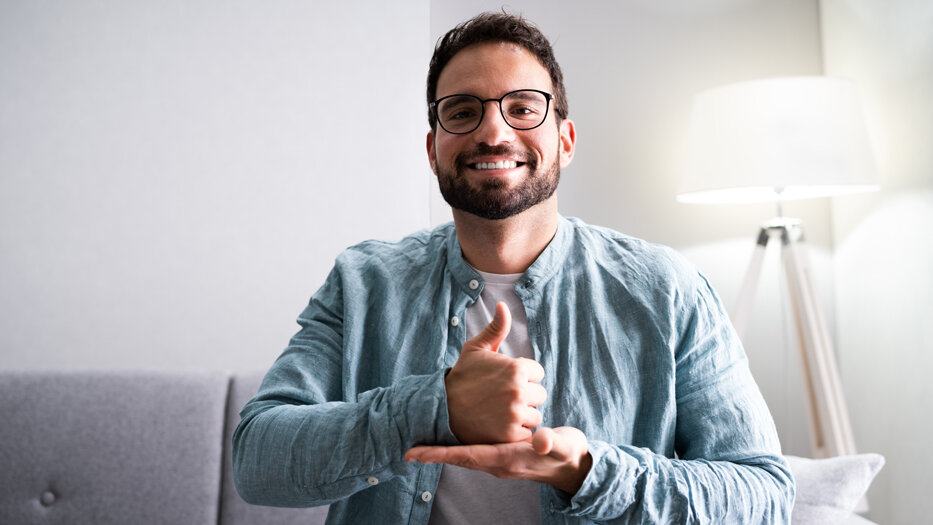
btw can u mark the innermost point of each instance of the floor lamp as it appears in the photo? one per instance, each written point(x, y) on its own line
point(776, 140)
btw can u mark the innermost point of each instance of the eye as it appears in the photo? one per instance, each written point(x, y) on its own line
point(525, 111)
point(459, 108)
point(460, 113)
point(522, 109)
point(524, 106)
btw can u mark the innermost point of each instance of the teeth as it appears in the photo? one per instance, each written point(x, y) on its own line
point(502, 164)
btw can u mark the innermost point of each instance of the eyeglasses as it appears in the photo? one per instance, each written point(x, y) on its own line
point(461, 114)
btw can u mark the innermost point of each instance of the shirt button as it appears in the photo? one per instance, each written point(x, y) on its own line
point(454, 321)
point(426, 496)
point(372, 480)
point(474, 284)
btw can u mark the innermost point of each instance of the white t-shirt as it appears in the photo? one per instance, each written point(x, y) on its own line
point(467, 496)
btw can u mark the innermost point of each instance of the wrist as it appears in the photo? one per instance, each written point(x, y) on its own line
point(573, 478)
point(570, 477)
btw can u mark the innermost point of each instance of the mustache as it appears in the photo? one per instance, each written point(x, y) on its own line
point(467, 157)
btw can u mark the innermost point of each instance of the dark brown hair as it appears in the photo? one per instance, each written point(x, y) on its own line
point(497, 27)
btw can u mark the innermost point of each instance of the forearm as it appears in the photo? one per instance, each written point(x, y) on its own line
point(634, 485)
point(288, 454)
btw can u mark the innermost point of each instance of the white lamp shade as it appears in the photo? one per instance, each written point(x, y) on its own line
point(787, 138)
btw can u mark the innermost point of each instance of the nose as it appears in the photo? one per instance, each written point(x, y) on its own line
point(493, 129)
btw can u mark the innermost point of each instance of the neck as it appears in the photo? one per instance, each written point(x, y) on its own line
point(507, 245)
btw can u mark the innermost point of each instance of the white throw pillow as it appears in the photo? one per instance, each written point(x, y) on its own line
point(829, 489)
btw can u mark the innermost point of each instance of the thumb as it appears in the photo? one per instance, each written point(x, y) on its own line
point(543, 440)
point(494, 333)
point(562, 443)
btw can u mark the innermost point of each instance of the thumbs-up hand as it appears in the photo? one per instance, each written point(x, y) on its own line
point(491, 398)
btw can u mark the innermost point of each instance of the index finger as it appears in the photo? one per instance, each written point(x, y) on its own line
point(460, 455)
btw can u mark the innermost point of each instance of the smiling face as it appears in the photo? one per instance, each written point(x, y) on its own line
point(497, 171)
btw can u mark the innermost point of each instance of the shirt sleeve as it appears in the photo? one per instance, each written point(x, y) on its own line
point(729, 467)
point(301, 443)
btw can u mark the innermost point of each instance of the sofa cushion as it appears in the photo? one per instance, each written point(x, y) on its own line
point(235, 511)
point(110, 447)
point(829, 489)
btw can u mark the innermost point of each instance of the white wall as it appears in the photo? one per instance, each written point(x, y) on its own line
point(176, 177)
point(884, 248)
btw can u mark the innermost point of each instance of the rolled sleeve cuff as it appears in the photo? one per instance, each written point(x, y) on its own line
point(609, 487)
point(425, 407)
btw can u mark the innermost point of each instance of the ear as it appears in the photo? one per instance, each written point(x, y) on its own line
point(430, 147)
point(568, 137)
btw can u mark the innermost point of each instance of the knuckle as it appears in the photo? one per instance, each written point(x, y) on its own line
point(515, 412)
point(513, 367)
point(513, 393)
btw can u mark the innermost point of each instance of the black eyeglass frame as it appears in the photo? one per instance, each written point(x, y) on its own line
point(437, 118)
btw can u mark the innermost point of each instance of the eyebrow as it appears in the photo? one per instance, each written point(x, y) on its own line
point(459, 97)
point(525, 94)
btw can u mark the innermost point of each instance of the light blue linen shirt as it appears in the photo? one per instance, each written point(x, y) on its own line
point(637, 351)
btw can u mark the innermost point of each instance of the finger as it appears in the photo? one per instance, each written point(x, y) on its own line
point(534, 395)
point(494, 333)
point(459, 455)
point(422, 454)
point(531, 417)
point(562, 443)
point(531, 368)
point(543, 440)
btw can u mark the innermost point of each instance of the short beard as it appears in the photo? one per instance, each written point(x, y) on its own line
point(493, 200)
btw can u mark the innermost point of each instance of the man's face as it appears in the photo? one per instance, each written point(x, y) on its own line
point(462, 162)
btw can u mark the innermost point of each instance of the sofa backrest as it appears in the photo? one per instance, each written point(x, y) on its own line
point(106, 447)
point(233, 510)
point(117, 447)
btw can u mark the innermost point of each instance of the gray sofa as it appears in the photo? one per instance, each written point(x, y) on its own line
point(124, 447)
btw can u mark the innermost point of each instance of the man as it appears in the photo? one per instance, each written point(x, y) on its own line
point(574, 359)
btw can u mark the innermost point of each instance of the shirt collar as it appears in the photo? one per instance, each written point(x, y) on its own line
point(545, 266)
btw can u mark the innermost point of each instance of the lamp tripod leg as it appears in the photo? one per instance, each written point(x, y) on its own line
point(833, 428)
point(750, 284)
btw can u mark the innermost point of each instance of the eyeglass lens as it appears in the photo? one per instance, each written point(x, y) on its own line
point(524, 109)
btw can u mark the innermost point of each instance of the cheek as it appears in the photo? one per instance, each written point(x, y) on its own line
point(545, 139)
point(547, 146)
point(446, 148)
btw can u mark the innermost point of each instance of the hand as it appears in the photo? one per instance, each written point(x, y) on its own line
point(490, 396)
point(558, 457)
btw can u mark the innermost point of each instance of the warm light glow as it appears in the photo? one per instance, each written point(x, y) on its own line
point(785, 138)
